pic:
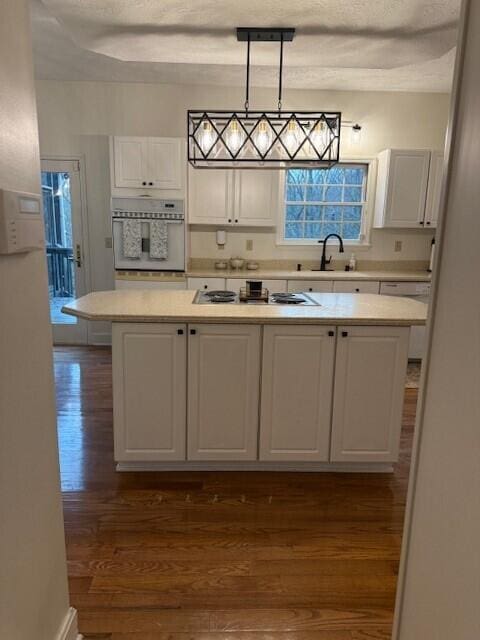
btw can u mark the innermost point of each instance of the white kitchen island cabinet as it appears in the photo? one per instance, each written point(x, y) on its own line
point(368, 393)
point(257, 387)
point(223, 391)
point(149, 391)
point(297, 384)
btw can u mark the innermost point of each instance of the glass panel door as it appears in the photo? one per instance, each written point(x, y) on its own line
point(63, 240)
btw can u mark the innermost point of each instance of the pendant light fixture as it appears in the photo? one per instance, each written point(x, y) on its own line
point(263, 139)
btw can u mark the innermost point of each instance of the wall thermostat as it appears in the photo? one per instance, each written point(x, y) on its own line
point(21, 222)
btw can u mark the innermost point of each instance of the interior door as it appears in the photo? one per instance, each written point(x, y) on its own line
point(64, 242)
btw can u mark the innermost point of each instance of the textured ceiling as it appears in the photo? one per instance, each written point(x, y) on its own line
point(403, 45)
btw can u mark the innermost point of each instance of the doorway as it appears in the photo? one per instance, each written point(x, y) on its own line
point(65, 246)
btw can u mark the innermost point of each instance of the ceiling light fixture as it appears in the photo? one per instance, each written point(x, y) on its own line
point(263, 139)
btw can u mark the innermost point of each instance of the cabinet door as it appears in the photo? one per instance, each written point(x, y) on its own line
point(255, 197)
point(297, 381)
point(315, 286)
point(164, 163)
point(223, 391)
point(209, 284)
point(345, 286)
point(370, 369)
point(407, 188)
point(274, 286)
point(130, 162)
point(434, 188)
point(210, 196)
point(149, 391)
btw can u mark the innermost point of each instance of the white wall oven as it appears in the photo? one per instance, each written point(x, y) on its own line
point(148, 234)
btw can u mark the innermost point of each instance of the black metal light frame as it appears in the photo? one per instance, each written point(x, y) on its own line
point(277, 155)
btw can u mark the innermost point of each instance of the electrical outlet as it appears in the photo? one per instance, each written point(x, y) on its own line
point(249, 245)
point(108, 243)
point(398, 245)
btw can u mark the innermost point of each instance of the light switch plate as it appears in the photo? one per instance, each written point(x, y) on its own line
point(398, 245)
point(249, 245)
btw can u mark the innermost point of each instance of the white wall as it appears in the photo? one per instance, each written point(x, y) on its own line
point(33, 583)
point(75, 117)
point(439, 594)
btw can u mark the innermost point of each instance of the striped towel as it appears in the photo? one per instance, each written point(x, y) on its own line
point(158, 239)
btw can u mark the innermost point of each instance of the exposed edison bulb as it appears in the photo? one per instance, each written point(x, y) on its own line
point(206, 138)
point(319, 137)
point(263, 137)
point(235, 137)
point(290, 137)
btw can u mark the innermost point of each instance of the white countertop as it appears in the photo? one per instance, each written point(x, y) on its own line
point(177, 306)
point(275, 274)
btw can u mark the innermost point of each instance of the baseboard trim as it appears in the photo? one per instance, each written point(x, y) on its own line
point(69, 628)
point(305, 467)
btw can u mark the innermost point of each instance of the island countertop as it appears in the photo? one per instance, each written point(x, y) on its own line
point(177, 306)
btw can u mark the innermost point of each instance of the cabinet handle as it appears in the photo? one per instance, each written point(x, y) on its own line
point(421, 222)
point(144, 184)
point(180, 332)
point(344, 334)
point(357, 290)
point(150, 184)
point(331, 333)
point(429, 222)
point(310, 289)
point(193, 332)
point(205, 286)
point(236, 220)
point(229, 219)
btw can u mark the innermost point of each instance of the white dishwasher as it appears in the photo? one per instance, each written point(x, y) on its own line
point(417, 291)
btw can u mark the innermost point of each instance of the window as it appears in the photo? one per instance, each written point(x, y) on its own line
point(323, 201)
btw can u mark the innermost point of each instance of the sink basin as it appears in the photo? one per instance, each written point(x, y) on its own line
point(322, 270)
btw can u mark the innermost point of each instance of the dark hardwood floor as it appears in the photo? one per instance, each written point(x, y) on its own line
point(257, 556)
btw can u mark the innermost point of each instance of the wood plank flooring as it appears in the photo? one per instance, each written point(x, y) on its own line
point(243, 556)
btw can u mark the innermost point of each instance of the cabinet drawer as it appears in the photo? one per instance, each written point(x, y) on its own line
point(405, 288)
point(315, 286)
point(356, 287)
point(210, 284)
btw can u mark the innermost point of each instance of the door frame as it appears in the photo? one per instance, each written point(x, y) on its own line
point(84, 239)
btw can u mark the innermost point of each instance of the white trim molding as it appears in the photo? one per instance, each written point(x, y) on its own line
point(368, 205)
point(69, 628)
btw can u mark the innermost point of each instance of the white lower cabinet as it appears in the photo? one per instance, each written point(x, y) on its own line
point(345, 286)
point(327, 393)
point(316, 286)
point(297, 385)
point(368, 393)
point(223, 391)
point(149, 391)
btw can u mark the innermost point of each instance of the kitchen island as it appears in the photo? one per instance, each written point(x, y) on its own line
point(256, 386)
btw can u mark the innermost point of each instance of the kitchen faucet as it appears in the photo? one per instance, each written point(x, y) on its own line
point(324, 261)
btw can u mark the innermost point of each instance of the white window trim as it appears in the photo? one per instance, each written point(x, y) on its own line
point(367, 220)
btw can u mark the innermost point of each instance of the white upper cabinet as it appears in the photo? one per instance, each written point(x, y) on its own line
point(210, 193)
point(434, 189)
point(256, 192)
point(368, 395)
point(232, 197)
point(402, 181)
point(147, 163)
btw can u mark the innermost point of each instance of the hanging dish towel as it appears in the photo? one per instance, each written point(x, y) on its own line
point(158, 239)
point(132, 239)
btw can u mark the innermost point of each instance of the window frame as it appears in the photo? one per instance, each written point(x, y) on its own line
point(367, 217)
